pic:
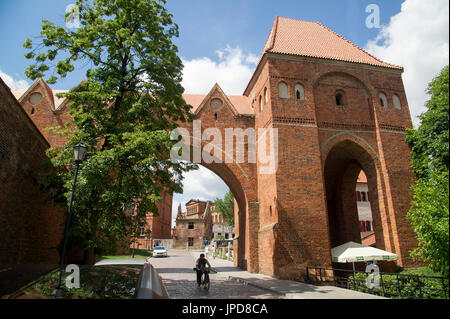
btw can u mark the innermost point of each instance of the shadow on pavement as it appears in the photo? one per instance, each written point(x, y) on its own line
point(175, 270)
point(219, 289)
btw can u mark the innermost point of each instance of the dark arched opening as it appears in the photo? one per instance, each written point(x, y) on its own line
point(343, 167)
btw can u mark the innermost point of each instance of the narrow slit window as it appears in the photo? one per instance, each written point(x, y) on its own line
point(383, 100)
point(299, 92)
point(396, 101)
point(339, 99)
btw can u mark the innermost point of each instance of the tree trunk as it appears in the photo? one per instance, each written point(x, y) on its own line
point(89, 253)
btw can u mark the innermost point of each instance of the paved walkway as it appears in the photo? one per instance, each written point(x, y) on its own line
point(179, 278)
point(284, 288)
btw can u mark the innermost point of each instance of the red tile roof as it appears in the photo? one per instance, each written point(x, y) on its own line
point(312, 39)
point(241, 103)
point(362, 177)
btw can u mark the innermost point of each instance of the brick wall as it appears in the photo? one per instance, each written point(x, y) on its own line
point(293, 217)
point(31, 225)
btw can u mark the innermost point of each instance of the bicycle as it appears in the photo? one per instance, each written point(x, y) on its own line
point(204, 283)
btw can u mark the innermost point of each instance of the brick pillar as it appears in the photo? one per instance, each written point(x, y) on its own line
point(252, 236)
point(398, 178)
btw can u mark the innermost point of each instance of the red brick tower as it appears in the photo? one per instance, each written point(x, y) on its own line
point(338, 110)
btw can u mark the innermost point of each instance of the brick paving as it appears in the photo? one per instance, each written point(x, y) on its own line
point(180, 280)
point(287, 288)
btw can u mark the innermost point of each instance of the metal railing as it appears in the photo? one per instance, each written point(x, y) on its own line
point(391, 285)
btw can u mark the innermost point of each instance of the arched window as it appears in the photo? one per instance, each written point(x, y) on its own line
point(396, 101)
point(299, 92)
point(260, 104)
point(383, 100)
point(266, 95)
point(283, 90)
point(340, 98)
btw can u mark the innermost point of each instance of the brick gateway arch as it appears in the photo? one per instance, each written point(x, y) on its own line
point(337, 110)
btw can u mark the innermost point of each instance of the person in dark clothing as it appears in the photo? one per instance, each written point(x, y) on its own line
point(200, 266)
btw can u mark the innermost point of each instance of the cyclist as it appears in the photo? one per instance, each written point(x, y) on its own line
point(200, 267)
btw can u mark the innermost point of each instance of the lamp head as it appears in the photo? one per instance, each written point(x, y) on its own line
point(79, 151)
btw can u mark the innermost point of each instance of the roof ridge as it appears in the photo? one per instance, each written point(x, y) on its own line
point(275, 29)
point(356, 46)
point(297, 19)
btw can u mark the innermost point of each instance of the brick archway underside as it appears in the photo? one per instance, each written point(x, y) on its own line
point(225, 173)
point(342, 166)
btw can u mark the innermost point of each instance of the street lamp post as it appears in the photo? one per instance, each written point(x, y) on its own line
point(79, 151)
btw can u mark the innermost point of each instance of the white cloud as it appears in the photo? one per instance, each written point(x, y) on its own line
point(14, 84)
point(417, 39)
point(232, 72)
point(200, 184)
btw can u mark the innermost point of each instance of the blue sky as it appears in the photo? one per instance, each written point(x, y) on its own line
point(205, 25)
point(221, 41)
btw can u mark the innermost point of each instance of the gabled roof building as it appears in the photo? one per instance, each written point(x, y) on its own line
point(194, 226)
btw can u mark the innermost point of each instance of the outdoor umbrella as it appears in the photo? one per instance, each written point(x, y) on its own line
point(352, 252)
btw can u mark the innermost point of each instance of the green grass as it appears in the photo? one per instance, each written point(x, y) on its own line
point(138, 253)
point(105, 282)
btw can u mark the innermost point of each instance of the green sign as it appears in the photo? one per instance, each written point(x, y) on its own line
point(359, 258)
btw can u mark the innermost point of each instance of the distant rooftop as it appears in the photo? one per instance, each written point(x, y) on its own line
point(241, 103)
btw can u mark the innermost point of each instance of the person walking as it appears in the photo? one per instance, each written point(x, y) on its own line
point(206, 250)
point(213, 251)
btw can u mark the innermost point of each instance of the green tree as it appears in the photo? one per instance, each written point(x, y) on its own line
point(430, 219)
point(429, 212)
point(123, 111)
point(430, 142)
point(226, 207)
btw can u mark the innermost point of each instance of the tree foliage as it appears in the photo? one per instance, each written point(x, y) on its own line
point(226, 207)
point(430, 142)
point(429, 213)
point(123, 112)
point(430, 218)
